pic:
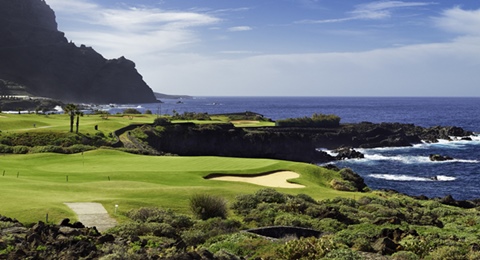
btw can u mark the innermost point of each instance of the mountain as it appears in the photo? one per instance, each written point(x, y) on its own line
point(34, 54)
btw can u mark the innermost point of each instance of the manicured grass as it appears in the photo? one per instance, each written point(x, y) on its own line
point(131, 181)
point(61, 123)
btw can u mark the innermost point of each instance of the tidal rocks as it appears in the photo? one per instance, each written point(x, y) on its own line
point(347, 153)
point(33, 53)
point(439, 158)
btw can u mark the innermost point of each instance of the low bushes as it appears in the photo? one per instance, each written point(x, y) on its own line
point(205, 206)
point(317, 120)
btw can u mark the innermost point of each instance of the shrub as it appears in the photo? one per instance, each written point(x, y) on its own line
point(46, 149)
point(161, 121)
point(263, 215)
point(191, 116)
point(296, 205)
point(20, 149)
point(205, 206)
point(145, 213)
point(344, 254)
point(308, 248)
point(78, 148)
point(5, 149)
point(240, 244)
point(328, 225)
point(447, 253)
point(131, 111)
point(287, 219)
point(405, 255)
point(244, 204)
point(204, 230)
point(342, 185)
point(158, 215)
point(317, 120)
point(270, 195)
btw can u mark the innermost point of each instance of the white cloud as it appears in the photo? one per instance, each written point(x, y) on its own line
point(371, 11)
point(128, 31)
point(434, 69)
point(152, 38)
point(72, 6)
point(460, 21)
point(448, 69)
point(240, 28)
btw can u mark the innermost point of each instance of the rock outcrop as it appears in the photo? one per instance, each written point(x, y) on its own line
point(285, 143)
point(439, 158)
point(35, 54)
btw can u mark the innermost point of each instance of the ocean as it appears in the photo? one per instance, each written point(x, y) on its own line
point(407, 169)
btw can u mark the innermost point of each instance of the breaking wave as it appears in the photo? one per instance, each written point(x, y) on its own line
point(393, 177)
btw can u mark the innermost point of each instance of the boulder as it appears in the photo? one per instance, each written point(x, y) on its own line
point(347, 153)
point(439, 158)
point(385, 246)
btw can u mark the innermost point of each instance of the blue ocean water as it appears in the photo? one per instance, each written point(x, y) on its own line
point(407, 170)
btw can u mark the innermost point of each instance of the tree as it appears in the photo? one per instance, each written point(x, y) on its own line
point(79, 114)
point(70, 110)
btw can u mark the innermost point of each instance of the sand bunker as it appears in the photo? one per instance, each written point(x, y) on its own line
point(276, 179)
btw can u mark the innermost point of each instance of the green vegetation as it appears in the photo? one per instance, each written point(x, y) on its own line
point(317, 120)
point(205, 206)
point(133, 111)
point(33, 123)
point(191, 116)
point(157, 197)
point(390, 224)
point(132, 181)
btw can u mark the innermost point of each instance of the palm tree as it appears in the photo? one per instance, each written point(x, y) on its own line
point(70, 110)
point(79, 114)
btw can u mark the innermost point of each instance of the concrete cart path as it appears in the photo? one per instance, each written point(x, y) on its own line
point(93, 214)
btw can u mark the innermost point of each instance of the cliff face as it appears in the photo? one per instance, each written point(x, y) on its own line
point(287, 143)
point(35, 54)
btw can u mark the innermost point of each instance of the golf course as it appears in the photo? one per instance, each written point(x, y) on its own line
point(36, 185)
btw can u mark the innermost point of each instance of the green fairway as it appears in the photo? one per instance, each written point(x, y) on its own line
point(61, 123)
point(38, 184)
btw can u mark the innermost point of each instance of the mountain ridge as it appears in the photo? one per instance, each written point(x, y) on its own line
point(35, 54)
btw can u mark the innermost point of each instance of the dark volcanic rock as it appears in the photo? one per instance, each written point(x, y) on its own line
point(348, 153)
point(35, 54)
point(286, 143)
point(439, 158)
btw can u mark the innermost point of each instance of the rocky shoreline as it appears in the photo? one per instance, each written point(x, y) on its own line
point(303, 144)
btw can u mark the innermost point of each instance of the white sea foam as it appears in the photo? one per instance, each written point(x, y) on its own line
point(393, 177)
point(410, 159)
point(407, 159)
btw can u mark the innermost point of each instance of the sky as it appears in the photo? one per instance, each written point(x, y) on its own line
point(286, 47)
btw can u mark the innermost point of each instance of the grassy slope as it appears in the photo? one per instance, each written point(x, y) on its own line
point(61, 123)
point(135, 181)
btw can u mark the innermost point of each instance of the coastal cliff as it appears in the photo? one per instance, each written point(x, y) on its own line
point(33, 53)
point(287, 143)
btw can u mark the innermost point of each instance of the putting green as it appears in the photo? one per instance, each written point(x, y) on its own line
point(35, 185)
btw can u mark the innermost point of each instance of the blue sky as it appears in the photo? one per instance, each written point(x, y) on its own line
point(286, 47)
